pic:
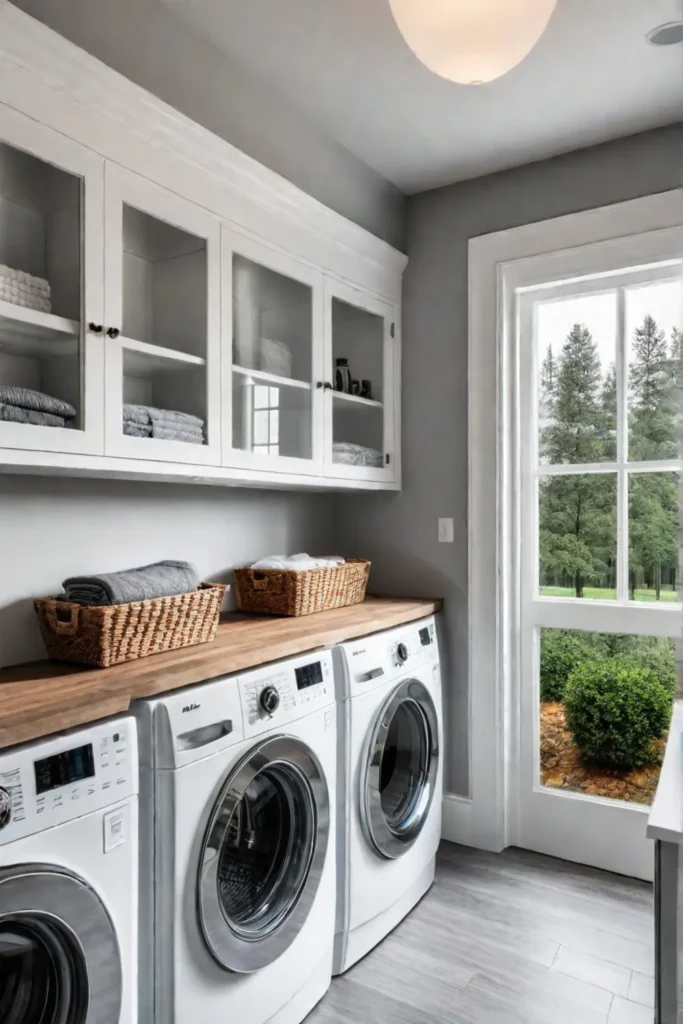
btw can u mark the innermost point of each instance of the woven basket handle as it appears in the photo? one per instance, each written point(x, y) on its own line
point(63, 627)
point(267, 581)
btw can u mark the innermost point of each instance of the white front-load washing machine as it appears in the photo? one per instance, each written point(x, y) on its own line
point(388, 782)
point(68, 878)
point(238, 786)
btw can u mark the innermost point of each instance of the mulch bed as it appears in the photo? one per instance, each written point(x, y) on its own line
point(562, 766)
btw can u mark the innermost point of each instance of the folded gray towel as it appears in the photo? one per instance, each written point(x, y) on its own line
point(137, 429)
point(177, 434)
point(13, 414)
point(24, 398)
point(160, 579)
point(144, 414)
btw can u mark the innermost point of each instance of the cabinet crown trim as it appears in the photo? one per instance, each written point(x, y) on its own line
point(89, 83)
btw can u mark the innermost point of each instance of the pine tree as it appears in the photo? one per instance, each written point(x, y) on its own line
point(652, 424)
point(577, 513)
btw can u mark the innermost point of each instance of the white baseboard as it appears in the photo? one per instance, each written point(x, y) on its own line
point(457, 820)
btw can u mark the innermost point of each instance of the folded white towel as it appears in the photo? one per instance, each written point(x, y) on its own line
point(299, 563)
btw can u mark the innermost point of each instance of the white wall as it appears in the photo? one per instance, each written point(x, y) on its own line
point(51, 529)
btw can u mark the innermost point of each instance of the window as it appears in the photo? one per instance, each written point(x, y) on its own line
point(266, 420)
point(600, 360)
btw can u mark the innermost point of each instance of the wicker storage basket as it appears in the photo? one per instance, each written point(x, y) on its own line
point(106, 635)
point(288, 592)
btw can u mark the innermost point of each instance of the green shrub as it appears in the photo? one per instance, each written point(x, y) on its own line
point(615, 709)
point(653, 652)
point(562, 650)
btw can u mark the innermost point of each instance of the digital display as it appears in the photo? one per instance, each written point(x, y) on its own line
point(425, 636)
point(65, 768)
point(308, 675)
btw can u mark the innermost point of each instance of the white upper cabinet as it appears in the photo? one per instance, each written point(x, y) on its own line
point(162, 324)
point(273, 359)
point(360, 391)
point(51, 290)
point(174, 309)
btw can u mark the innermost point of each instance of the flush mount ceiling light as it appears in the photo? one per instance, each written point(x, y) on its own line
point(471, 41)
point(666, 35)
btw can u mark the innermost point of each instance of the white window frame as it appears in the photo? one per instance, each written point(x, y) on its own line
point(636, 233)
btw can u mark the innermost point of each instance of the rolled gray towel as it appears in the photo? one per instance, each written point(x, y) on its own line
point(160, 579)
point(136, 414)
point(13, 414)
point(24, 398)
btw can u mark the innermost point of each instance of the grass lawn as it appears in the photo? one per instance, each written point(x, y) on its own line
point(605, 594)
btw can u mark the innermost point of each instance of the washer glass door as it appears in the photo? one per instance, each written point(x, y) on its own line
point(263, 854)
point(59, 956)
point(43, 977)
point(399, 782)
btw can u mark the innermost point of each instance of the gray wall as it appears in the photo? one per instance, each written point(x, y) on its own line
point(148, 43)
point(51, 529)
point(399, 531)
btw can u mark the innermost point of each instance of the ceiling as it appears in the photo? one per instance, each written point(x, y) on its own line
point(591, 78)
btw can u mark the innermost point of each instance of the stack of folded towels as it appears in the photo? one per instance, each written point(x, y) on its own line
point(160, 579)
point(24, 289)
point(163, 424)
point(299, 563)
point(21, 405)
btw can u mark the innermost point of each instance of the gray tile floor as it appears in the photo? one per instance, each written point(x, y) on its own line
point(512, 938)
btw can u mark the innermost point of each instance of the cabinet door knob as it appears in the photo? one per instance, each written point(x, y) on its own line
point(328, 386)
point(113, 332)
point(95, 328)
point(319, 384)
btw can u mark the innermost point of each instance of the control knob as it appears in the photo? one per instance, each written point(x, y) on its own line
point(269, 699)
point(402, 653)
point(5, 808)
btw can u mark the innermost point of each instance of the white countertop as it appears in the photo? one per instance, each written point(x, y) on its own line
point(666, 817)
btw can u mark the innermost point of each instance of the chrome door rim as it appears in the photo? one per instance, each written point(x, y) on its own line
point(387, 841)
point(55, 898)
point(230, 949)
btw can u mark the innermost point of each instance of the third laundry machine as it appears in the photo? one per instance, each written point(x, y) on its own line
point(389, 782)
point(68, 877)
point(238, 780)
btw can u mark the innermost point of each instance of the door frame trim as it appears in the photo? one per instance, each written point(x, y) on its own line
point(498, 263)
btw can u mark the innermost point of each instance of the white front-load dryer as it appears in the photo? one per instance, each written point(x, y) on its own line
point(68, 878)
point(238, 787)
point(389, 782)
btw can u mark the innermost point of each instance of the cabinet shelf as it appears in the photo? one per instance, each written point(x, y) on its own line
point(369, 403)
point(141, 358)
point(271, 378)
point(28, 332)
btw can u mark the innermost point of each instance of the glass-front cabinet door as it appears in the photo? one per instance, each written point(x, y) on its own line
point(273, 359)
point(359, 385)
point(162, 324)
point(51, 290)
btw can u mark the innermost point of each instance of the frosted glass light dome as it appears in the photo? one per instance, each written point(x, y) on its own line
point(471, 41)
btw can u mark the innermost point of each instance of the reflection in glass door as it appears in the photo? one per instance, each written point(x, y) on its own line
point(50, 287)
point(599, 560)
point(276, 327)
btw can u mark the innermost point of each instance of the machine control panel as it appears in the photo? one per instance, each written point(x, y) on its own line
point(288, 690)
point(43, 784)
point(394, 653)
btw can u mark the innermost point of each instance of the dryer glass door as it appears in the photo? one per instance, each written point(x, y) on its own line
point(263, 854)
point(401, 770)
point(59, 957)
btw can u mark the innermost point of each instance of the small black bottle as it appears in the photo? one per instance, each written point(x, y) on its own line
point(342, 377)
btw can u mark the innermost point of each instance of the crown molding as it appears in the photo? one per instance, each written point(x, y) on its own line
point(63, 86)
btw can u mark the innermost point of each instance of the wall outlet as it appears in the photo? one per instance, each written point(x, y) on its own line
point(445, 531)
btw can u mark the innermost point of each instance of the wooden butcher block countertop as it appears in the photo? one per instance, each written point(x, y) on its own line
point(44, 697)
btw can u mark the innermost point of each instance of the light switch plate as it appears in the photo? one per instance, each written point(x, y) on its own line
point(445, 528)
